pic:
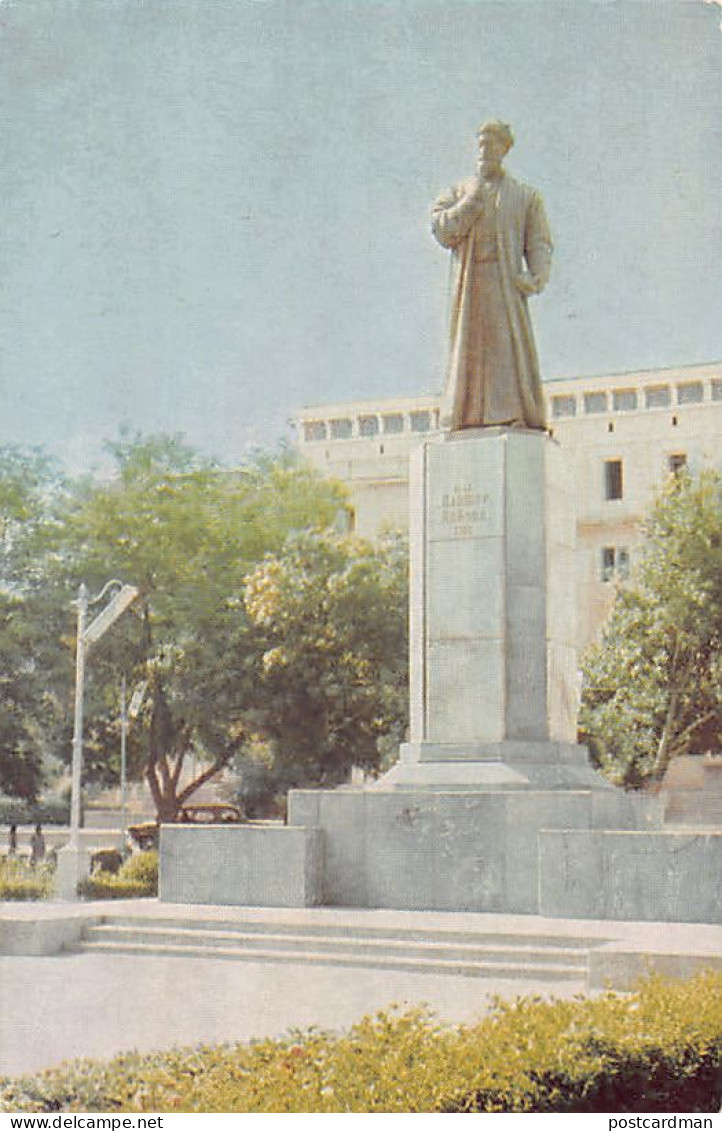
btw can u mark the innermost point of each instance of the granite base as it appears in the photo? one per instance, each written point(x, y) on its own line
point(449, 850)
point(657, 875)
point(240, 865)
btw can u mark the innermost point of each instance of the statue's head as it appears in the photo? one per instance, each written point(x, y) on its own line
point(496, 135)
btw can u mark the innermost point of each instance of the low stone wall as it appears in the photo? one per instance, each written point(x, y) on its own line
point(560, 854)
point(665, 875)
point(617, 966)
point(47, 933)
point(691, 792)
point(241, 865)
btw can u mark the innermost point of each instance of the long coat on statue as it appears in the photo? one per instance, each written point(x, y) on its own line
point(497, 237)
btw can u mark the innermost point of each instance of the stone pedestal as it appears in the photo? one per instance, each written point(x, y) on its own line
point(493, 625)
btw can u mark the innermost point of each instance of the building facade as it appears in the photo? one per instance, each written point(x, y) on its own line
point(625, 433)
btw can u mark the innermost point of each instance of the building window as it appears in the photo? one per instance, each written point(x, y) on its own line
point(341, 429)
point(420, 421)
point(393, 423)
point(345, 521)
point(614, 563)
point(595, 402)
point(613, 479)
point(659, 396)
point(368, 425)
point(564, 406)
point(677, 463)
point(622, 563)
point(624, 400)
point(716, 387)
point(691, 392)
point(314, 430)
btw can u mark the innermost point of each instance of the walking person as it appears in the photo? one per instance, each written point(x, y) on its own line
point(37, 846)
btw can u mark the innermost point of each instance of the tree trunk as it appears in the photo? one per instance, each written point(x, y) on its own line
point(664, 749)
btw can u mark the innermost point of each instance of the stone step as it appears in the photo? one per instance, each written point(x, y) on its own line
point(460, 967)
point(485, 950)
point(315, 928)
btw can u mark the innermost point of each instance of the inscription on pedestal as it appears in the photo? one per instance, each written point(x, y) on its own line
point(465, 512)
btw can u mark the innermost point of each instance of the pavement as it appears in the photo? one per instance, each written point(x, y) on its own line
point(55, 1007)
point(95, 1005)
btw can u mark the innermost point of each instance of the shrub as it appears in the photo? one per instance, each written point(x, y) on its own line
point(142, 867)
point(659, 1048)
point(19, 881)
point(137, 877)
point(106, 860)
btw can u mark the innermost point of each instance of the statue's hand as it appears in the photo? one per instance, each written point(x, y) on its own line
point(475, 188)
point(527, 284)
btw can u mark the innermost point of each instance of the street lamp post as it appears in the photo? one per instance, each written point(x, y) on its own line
point(77, 763)
point(123, 764)
point(72, 859)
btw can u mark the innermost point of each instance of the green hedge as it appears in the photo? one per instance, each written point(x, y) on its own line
point(137, 877)
point(657, 1049)
point(18, 881)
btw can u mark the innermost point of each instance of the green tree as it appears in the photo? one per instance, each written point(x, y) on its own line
point(29, 482)
point(330, 685)
point(30, 488)
point(185, 532)
point(20, 755)
point(653, 686)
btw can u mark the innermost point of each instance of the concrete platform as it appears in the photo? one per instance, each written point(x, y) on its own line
point(98, 1005)
point(616, 953)
point(66, 1005)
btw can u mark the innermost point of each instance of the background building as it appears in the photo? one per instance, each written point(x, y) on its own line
point(626, 433)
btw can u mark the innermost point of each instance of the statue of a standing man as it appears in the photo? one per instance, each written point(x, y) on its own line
point(497, 230)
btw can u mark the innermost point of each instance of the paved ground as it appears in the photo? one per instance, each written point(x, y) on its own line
point(56, 1008)
point(96, 1004)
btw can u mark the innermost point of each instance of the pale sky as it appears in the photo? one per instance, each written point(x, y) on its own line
point(216, 211)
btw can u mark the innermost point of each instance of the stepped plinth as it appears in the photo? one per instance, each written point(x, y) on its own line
point(492, 806)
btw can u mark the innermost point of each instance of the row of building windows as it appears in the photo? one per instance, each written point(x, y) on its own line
point(389, 424)
point(562, 405)
point(628, 400)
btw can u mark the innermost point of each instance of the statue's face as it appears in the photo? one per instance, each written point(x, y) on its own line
point(492, 147)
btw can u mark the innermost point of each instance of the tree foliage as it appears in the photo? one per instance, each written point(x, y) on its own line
point(30, 488)
point(186, 533)
point(329, 615)
point(653, 686)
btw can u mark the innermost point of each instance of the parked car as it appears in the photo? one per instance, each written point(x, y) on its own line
point(145, 836)
point(211, 814)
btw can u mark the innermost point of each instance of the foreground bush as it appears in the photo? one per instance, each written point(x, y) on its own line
point(21, 882)
point(137, 877)
point(657, 1049)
